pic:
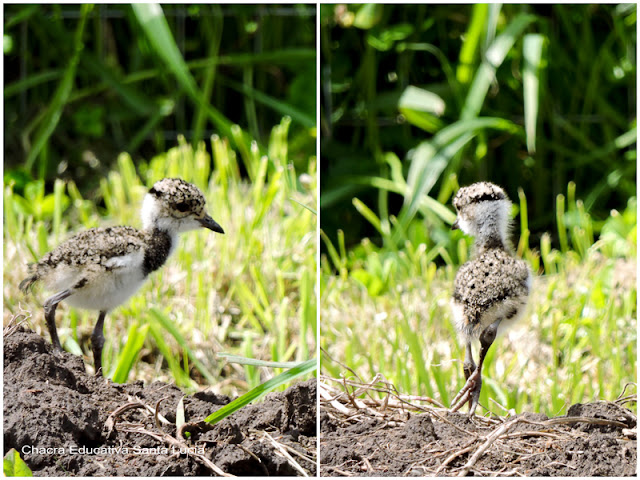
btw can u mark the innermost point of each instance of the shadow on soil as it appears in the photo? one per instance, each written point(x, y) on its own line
point(364, 436)
point(64, 422)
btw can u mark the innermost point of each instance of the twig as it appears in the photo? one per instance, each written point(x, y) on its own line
point(156, 413)
point(455, 455)
point(285, 454)
point(491, 438)
point(621, 396)
point(163, 437)
point(111, 419)
point(590, 420)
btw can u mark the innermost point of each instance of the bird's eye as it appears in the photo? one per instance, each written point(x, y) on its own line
point(182, 207)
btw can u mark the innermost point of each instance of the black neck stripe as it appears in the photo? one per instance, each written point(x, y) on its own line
point(488, 196)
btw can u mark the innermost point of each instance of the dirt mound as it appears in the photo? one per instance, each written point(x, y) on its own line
point(65, 422)
point(369, 437)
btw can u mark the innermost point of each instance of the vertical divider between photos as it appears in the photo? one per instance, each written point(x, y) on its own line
point(317, 289)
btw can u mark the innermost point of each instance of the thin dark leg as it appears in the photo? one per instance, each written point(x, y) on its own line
point(97, 342)
point(469, 366)
point(471, 390)
point(50, 306)
point(486, 340)
point(470, 374)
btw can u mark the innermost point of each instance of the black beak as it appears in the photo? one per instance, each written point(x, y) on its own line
point(455, 225)
point(211, 224)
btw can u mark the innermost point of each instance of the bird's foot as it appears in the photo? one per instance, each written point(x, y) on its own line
point(470, 392)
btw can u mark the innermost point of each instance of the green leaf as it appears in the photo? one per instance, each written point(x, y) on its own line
point(279, 106)
point(371, 282)
point(368, 16)
point(471, 42)
point(173, 361)
point(532, 53)
point(384, 40)
point(422, 108)
point(261, 390)
point(493, 59)
point(134, 98)
point(153, 22)
point(367, 213)
point(61, 96)
point(311, 209)
point(14, 466)
point(31, 81)
point(430, 158)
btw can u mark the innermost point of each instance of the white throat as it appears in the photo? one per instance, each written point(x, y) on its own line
point(493, 220)
point(150, 212)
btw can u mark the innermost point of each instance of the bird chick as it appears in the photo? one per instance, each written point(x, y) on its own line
point(491, 290)
point(101, 268)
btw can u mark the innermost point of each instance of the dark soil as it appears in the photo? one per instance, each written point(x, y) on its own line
point(50, 402)
point(368, 438)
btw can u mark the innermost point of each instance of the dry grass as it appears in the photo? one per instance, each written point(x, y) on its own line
point(486, 446)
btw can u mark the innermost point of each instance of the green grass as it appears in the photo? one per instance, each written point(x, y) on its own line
point(414, 95)
point(249, 292)
point(387, 311)
point(122, 76)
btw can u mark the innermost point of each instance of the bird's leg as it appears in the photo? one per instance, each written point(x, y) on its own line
point(469, 367)
point(471, 390)
point(486, 340)
point(97, 341)
point(50, 306)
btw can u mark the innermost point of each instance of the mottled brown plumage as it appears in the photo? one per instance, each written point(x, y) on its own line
point(489, 281)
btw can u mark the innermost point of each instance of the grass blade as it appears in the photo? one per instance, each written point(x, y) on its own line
point(532, 53)
point(422, 108)
point(471, 42)
point(180, 416)
point(171, 328)
point(493, 59)
point(261, 390)
point(54, 112)
point(153, 22)
point(279, 106)
point(135, 340)
point(256, 363)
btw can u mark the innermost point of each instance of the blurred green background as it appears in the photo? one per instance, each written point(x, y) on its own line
point(84, 83)
point(417, 99)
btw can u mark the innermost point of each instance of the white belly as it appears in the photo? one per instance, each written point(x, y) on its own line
point(105, 288)
point(107, 293)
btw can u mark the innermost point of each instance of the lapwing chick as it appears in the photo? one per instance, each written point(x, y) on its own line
point(100, 268)
point(491, 290)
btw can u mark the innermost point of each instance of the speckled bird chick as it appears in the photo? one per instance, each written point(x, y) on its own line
point(99, 269)
point(492, 289)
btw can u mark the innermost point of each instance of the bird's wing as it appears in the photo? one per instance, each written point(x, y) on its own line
point(107, 247)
